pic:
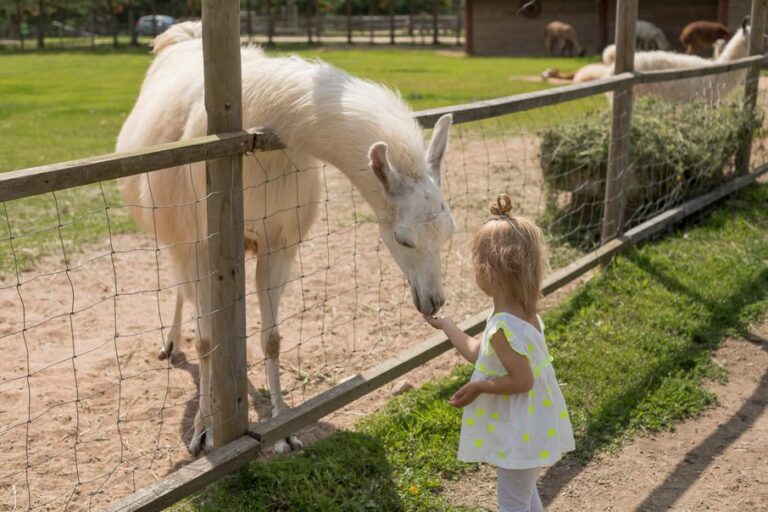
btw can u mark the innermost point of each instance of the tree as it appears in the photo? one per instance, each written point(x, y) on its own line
point(41, 24)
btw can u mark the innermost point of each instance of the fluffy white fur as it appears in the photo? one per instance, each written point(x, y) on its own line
point(609, 54)
point(321, 114)
point(591, 72)
point(711, 88)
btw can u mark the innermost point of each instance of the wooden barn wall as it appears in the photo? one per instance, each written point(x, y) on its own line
point(499, 31)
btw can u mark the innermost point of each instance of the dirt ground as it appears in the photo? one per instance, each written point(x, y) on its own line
point(717, 461)
point(88, 413)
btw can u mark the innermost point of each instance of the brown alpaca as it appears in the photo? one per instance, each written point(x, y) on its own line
point(563, 33)
point(700, 35)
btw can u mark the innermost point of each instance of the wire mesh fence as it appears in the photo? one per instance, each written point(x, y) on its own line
point(89, 409)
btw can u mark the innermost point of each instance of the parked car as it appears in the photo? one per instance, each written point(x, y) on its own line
point(144, 24)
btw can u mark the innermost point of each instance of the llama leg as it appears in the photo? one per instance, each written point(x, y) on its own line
point(272, 272)
point(174, 335)
point(204, 345)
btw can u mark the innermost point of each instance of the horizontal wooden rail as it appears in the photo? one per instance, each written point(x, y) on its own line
point(201, 472)
point(666, 75)
point(521, 102)
point(49, 178)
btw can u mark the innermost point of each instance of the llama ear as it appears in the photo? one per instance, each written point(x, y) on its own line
point(380, 166)
point(438, 144)
point(745, 23)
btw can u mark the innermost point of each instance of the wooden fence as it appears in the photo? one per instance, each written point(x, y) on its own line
point(237, 443)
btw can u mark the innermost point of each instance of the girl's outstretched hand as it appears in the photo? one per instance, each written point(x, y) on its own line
point(439, 322)
point(465, 395)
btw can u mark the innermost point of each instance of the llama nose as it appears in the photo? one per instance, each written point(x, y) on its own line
point(437, 302)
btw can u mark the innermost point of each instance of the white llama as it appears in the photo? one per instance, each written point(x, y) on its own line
point(321, 114)
point(712, 88)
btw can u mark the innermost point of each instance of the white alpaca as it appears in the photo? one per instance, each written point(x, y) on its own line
point(609, 54)
point(712, 88)
point(650, 37)
point(321, 114)
point(591, 72)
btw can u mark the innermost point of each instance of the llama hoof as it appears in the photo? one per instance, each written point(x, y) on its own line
point(289, 444)
point(197, 444)
point(295, 443)
point(282, 447)
point(166, 351)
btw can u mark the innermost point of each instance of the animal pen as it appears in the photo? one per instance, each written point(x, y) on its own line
point(91, 418)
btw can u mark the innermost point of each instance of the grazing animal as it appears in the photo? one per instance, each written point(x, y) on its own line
point(564, 34)
point(712, 88)
point(650, 37)
point(321, 114)
point(700, 35)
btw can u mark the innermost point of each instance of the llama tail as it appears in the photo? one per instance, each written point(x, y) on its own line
point(176, 34)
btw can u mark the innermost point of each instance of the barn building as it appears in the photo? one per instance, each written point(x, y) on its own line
point(494, 27)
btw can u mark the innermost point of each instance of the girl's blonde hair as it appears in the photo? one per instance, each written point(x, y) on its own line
point(509, 252)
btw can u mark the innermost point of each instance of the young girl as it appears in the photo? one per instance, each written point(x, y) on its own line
point(515, 416)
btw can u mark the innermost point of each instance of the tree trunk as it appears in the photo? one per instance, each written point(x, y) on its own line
point(249, 16)
point(310, 18)
point(113, 17)
point(370, 18)
point(20, 22)
point(349, 21)
point(41, 24)
point(154, 18)
point(391, 21)
point(270, 23)
point(132, 25)
point(435, 6)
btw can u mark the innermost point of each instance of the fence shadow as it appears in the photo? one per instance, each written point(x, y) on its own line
point(724, 317)
point(699, 458)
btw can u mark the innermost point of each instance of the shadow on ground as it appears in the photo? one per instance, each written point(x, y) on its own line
point(724, 317)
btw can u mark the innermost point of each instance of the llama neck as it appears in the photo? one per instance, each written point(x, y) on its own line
point(341, 117)
point(735, 49)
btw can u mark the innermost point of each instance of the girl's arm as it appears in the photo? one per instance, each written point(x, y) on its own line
point(467, 346)
point(518, 380)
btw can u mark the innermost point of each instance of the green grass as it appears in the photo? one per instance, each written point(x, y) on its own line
point(61, 105)
point(632, 348)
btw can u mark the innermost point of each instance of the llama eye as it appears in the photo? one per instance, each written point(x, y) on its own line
point(403, 242)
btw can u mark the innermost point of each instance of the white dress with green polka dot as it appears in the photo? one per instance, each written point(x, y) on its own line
point(521, 431)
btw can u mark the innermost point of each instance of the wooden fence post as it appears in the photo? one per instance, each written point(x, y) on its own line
point(752, 81)
point(618, 152)
point(224, 180)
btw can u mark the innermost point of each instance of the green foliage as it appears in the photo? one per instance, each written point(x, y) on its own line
point(677, 151)
point(631, 350)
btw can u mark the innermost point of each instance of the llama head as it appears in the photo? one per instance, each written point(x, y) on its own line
point(418, 221)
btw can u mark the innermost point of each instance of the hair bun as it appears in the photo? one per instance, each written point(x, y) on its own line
point(502, 206)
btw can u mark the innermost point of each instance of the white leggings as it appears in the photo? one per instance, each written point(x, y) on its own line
point(516, 490)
